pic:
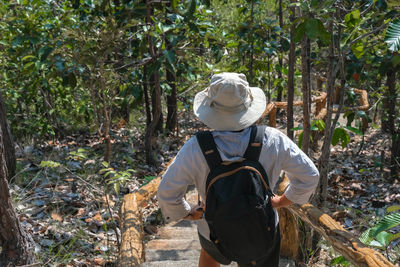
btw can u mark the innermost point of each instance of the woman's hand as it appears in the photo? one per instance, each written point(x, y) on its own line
point(280, 201)
point(196, 213)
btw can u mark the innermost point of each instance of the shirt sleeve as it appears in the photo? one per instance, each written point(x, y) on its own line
point(301, 171)
point(174, 183)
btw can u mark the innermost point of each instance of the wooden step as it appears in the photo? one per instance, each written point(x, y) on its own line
point(172, 244)
point(172, 255)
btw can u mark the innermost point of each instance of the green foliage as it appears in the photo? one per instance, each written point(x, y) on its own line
point(341, 260)
point(114, 178)
point(392, 37)
point(379, 235)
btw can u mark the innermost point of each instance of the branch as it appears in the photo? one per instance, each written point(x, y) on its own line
point(139, 63)
point(366, 34)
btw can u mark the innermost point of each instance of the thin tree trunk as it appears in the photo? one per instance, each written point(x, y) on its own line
point(17, 247)
point(146, 96)
point(9, 149)
point(305, 71)
point(159, 126)
point(107, 111)
point(157, 97)
point(292, 62)
point(323, 162)
point(391, 99)
point(251, 45)
point(93, 94)
point(172, 118)
point(280, 57)
point(391, 111)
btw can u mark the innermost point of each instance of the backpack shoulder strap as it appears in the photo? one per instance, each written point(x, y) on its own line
point(255, 143)
point(209, 148)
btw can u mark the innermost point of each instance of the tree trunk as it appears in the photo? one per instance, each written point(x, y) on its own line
point(146, 96)
point(16, 245)
point(305, 71)
point(391, 99)
point(251, 45)
point(154, 104)
point(323, 162)
point(280, 58)
point(156, 97)
point(172, 118)
point(107, 111)
point(9, 149)
point(292, 62)
point(391, 115)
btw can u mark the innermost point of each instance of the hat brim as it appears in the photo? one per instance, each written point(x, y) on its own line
point(222, 121)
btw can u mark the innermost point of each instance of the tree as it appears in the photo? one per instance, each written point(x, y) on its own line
point(9, 150)
point(16, 244)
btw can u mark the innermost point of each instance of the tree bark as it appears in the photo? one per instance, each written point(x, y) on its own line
point(391, 127)
point(280, 57)
point(391, 99)
point(156, 97)
point(292, 62)
point(251, 45)
point(9, 149)
point(172, 118)
point(16, 245)
point(146, 96)
point(305, 71)
point(323, 162)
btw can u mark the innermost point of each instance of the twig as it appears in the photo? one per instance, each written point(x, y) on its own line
point(114, 224)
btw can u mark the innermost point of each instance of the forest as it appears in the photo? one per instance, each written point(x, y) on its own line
point(96, 98)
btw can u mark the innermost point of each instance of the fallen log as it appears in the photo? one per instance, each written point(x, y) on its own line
point(341, 240)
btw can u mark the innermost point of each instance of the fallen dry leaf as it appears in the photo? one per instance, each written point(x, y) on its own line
point(55, 216)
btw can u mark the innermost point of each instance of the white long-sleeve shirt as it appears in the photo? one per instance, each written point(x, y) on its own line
point(278, 154)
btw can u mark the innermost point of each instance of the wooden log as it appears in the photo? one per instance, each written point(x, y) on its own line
point(272, 117)
point(131, 251)
point(132, 242)
point(341, 240)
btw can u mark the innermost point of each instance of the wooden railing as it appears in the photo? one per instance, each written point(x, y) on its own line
point(132, 244)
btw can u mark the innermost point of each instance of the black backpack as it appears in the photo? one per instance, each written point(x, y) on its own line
point(238, 207)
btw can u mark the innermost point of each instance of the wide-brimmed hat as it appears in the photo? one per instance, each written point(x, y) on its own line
point(229, 103)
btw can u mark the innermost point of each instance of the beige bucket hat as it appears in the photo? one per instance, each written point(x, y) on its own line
point(229, 103)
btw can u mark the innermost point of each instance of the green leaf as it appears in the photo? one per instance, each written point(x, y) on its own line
point(299, 32)
point(117, 187)
point(105, 164)
point(396, 60)
point(170, 55)
point(313, 28)
point(49, 164)
point(384, 238)
point(358, 49)
point(320, 124)
point(352, 18)
point(339, 260)
point(341, 135)
point(392, 37)
point(28, 57)
point(354, 130)
point(191, 9)
point(393, 208)
point(300, 142)
point(362, 114)
point(388, 222)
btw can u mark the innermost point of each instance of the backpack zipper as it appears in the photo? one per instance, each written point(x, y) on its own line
point(222, 175)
